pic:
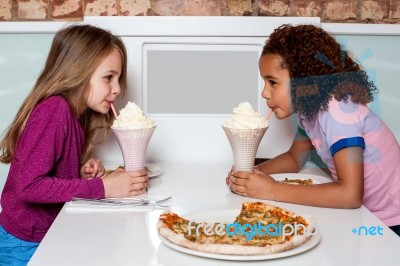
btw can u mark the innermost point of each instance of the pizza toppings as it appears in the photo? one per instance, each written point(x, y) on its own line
point(258, 229)
point(307, 182)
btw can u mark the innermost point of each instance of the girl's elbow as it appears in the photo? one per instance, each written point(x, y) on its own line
point(354, 205)
point(26, 195)
point(354, 202)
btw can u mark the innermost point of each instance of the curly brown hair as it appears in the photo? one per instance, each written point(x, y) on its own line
point(319, 68)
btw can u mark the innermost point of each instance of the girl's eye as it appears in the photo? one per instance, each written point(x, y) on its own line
point(272, 82)
point(109, 77)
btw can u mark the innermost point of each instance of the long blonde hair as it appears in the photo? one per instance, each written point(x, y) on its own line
point(74, 55)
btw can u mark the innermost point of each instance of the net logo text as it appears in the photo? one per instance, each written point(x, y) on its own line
point(368, 231)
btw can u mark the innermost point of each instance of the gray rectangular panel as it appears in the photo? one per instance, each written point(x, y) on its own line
point(200, 82)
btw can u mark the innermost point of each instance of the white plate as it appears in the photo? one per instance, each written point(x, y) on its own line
point(315, 178)
point(228, 216)
point(152, 169)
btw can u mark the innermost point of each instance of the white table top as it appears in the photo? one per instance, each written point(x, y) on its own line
point(130, 238)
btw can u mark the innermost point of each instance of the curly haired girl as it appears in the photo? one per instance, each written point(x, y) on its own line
point(306, 71)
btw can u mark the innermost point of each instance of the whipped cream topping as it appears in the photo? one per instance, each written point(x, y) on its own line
point(132, 117)
point(244, 117)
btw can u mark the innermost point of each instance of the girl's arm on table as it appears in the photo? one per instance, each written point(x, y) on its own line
point(255, 184)
point(292, 160)
point(347, 192)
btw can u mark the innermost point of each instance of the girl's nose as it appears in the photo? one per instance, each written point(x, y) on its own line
point(266, 93)
point(116, 89)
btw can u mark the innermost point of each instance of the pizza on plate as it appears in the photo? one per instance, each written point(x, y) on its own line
point(259, 229)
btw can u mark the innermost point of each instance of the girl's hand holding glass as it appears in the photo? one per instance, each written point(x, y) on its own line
point(120, 184)
point(256, 184)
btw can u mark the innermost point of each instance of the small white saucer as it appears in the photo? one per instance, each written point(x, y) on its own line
point(152, 169)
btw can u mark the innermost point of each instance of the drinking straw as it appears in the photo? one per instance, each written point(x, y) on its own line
point(269, 114)
point(113, 109)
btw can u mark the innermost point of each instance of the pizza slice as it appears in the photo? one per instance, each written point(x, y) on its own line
point(259, 229)
point(306, 182)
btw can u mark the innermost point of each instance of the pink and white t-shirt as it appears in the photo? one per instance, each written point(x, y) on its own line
point(346, 124)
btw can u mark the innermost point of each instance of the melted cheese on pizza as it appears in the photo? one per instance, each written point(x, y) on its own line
point(252, 213)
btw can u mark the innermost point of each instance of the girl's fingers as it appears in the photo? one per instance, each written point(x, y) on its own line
point(141, 179)
point(240, 190)
point(137, 192)
point(138, 173)
point(139, 186)
point(227, 180)
point(88, 170)
point(101, 171)
point(237, 180)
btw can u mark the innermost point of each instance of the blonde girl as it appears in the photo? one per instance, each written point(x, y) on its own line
point(50, 141)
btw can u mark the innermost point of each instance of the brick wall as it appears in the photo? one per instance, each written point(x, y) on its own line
point(357, 11)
